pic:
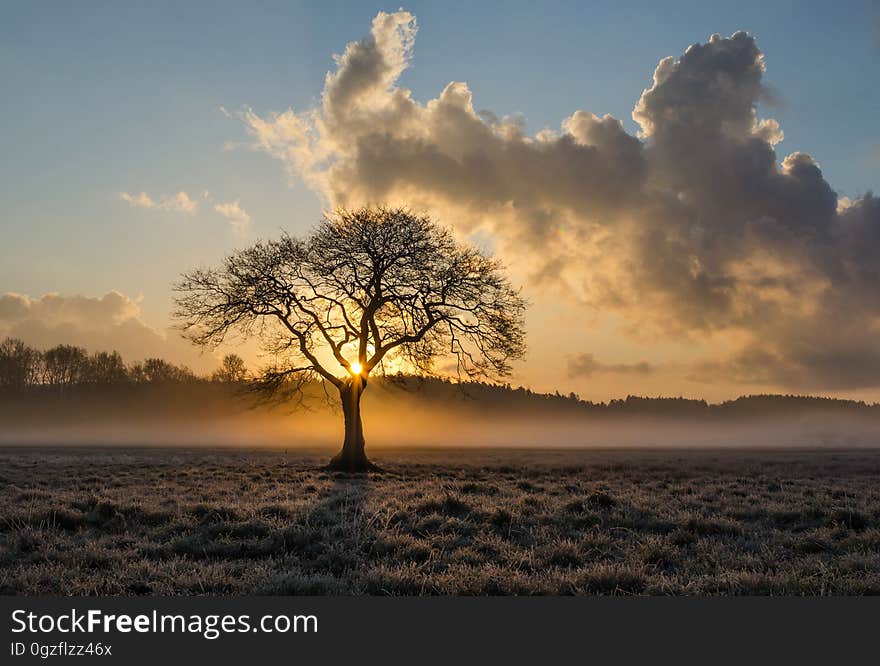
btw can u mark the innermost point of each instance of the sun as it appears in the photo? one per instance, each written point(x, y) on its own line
point(356, 368)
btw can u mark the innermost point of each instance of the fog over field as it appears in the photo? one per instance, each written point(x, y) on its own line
point(433, 413)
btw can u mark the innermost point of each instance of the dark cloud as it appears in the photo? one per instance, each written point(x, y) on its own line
point(694, 228)
point(586, 365)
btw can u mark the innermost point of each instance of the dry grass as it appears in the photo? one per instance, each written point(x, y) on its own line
point(152, 521)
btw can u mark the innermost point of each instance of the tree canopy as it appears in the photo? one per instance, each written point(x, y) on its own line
point(366, 286)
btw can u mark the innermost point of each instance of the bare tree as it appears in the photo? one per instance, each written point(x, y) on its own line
point(231, 371)
point(19, 364)
point(106, 368)
point(366, 289)
point(64, 365)
point(160, 371)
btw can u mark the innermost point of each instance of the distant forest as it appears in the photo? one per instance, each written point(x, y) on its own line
point(67, 369)
point(22, 367)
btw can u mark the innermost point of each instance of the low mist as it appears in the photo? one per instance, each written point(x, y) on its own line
point(435, 414)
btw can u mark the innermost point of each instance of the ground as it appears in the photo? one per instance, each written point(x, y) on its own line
point(171, 521)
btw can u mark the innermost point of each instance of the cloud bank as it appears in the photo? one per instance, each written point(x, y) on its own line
point(692, 229)
point(109, 322)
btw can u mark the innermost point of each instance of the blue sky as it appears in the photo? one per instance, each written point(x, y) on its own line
point(103, 98)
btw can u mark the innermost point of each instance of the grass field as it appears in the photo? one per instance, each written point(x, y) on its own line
point(498, 522)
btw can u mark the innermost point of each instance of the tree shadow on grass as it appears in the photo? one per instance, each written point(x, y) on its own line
point(329, 544)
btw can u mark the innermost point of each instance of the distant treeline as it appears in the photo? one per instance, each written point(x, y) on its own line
point(505, 396)
point(23, 367)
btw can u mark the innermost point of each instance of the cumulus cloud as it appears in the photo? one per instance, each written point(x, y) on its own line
point(109, 322)
point(693, 228)
point(238, 217)
point(586, 365)
point(180, 202)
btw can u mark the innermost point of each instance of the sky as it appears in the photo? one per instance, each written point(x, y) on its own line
point(674, 251)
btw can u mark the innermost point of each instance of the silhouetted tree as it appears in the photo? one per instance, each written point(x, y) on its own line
point(231, 371)
point(19, 364)
point(160, 371)
point(364, 289)
point(64, 365)
point(106, 368)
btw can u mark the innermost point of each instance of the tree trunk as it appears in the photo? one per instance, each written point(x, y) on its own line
point(352, 457)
